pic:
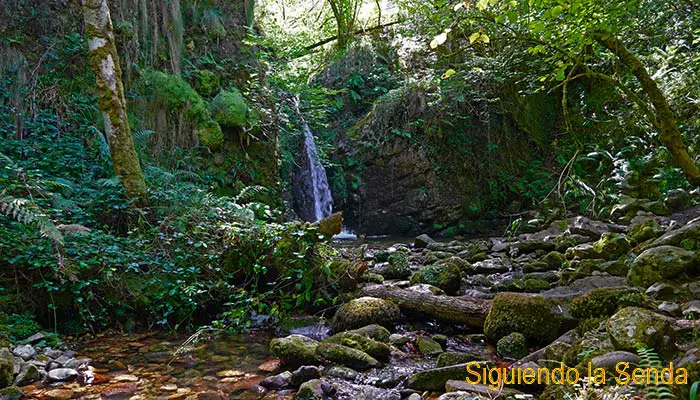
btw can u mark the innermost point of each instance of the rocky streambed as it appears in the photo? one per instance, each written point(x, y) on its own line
point(577, 293)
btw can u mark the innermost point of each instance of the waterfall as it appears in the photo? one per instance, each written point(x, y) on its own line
point(320, 192)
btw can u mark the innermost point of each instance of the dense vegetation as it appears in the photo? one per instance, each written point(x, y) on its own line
point(152, 168)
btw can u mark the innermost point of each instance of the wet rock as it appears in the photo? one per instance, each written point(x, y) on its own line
point(691, 309)
point(346, 356)
point(270, 366)
point(316, 389)
point(331, 225)
point(661, 263)
point(352, 391)
point(295, 350)
point(344, 373)
point(434, 379)
point(415, 396)
point(446, 276)
point(428, 346)
point(365, 311)
point(669, 308)
point(492, 266)
point(7, 368)
point(688, 234)
point(397, 339)
point(541, 320)
point(452, 358)
point(26, 352)
point(632, 326)
point(119, 391)
point(62, 374)
point(512, 346)
point(582, 252)
point(378, 350)
point(374, 331)
point(305, 373)
point(28, 374)
point(279, 381)
point(662, 291)
point(435, 256)
point(612, 245)
point(588, 227)
point(59, 394)
point(422, 241)
point(35, 338)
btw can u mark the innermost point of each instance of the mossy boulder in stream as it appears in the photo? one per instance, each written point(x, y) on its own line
point(11, 393)
point(398, 266)
point(7, 363)
point(434, 379)
point(446, 276)
point(347, 356)
point(295, 350)
point(612, 245)
point(365, 311)
point(541, 320)
point(378, 350)
point(632, 326)
point(374, 331)
point(512, 346)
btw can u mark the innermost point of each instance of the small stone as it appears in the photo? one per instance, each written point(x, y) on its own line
point(398, 340)
point(691, 309)
point(169, 387)
point(428, 346)
point(279, 381)
point(28, 374)
point(305, 373)
point(230, 373)
point(62, 374)
point(669, 308)
point(270, 366)
point(126, 378)
point(120, 391)
point(35, 338)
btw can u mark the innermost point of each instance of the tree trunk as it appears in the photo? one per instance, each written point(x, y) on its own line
point(462, 310)
point(105, 64)
point(664, 120)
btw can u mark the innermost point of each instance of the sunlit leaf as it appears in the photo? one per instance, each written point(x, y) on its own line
point(474, 37)
point(448, 73)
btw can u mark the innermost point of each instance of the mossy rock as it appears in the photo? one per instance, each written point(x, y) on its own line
point(331, 225)
point(295, 350)
point(541, 320)
point(434, 379)
point(512, 346)
point(210, 135)
point(632, 326)
point(428, 346)
point(378, 350)
point(431, 257)
point(11, 393)
point(612, 245)
point(662, 263)
point(452, 358)
point(374, 331)
point(463, 265)
point(365, 311)
point(604, 302)
point(398, 266)
point(311, 390)
point(176, 94)
point(206, 83)
point(554, 259)
point(647, 230)
point(7, 363)
point(229, 108)
point(528, 285)
point(446, 276)
point(347, 356)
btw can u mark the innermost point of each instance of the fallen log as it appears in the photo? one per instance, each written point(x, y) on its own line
point(463, 310)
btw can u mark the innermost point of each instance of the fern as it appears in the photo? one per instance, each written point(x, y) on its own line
point(249, 193)
point(27, 212)
point(649, 359)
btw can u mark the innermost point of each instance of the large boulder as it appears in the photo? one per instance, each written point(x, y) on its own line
point(7, 368)
point(540, 319)
point(347, 356)
point(632, 326)
point(661, 263)
point(446, 276)
point(686, 236)
point(295, 350)
point(365, 311)
point(604, 302)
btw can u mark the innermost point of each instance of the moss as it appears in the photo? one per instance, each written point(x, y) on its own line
point(612, 245)
point(632, 326)
point(512, 346)
point(446, 276)
point(124, 30)
point(206, 83)
point(374, 348)
point(376, 332)
point(534, 316)
point(346, 356)
point(398, 266)
point(428, 346)
point(365, 311)
point(7, 363)
point(210, 135)
point(229, 108)
point(452, 358)
point(661, 263)
point(554, 259)
point(295, 350)
point(176, 94)
point(11, 393)
point(604, 302)
point(528, 285)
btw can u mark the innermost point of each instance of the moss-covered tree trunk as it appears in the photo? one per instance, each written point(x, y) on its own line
point(105, 64)
point(664, 120)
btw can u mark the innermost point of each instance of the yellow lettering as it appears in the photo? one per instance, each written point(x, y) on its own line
point(540, 371)
point(681, 376)
point(473, 373)
point(638, 376)
point(529, 376)
point(621, 369)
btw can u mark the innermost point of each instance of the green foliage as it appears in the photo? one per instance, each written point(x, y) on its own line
point(18, 326)
point(229, 108)
point(175, 93)
point(649, 359)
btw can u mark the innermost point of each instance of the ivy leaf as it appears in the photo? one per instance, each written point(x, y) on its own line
point(474, 37)
point(484, 38)
point(556, 11)
point(438, 40)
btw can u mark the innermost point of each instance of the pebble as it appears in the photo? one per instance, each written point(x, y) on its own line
point(59, 394)
point(62, 374)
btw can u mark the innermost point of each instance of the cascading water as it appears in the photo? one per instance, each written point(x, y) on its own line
point(321, 193)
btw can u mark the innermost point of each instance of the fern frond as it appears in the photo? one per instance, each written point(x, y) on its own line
point(26, 212)
point(141, 138)
point(103, 144)
point(650, 359)
point(249, 193)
